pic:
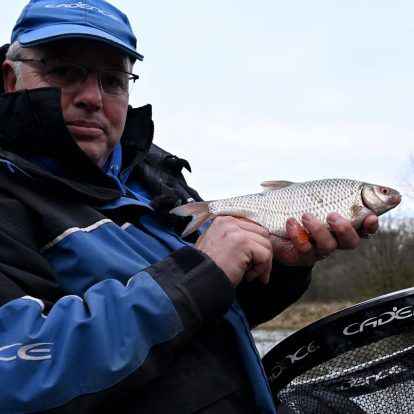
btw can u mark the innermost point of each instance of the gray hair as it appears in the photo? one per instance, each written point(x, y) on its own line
point(15, 51)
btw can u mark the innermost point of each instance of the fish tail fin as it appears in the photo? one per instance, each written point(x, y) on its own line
point(199, 212)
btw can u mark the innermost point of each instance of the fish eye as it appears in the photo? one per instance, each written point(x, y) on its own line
point(385, 190)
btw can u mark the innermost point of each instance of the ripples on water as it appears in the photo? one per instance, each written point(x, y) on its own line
point(266, 339)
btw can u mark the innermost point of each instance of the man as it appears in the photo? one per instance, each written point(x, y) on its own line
point(103, 307)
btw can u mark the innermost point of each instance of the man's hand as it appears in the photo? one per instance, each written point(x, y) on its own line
point(306, 251)
point(240, 248)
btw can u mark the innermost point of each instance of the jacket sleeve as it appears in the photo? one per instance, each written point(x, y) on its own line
point(262, 303)
point(55, 348)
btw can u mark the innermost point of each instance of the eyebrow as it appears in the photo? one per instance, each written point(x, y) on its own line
point(122, 66)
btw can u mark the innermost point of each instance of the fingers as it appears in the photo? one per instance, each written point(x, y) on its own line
point(261, 263)
point(309, 244)
point(300, 245)
point(239, 248)
point(315, 241)
point(261, 251)
point(251, 226)
point(369, 226)
point(346, 236)
point(245, 249)
point(324, 242)
point(340, 235)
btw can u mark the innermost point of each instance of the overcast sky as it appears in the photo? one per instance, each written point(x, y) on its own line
point(295, 90)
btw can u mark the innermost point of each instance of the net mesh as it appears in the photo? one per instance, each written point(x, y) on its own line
point(377, 378)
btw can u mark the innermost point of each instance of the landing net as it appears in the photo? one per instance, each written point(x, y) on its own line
point(358, 360)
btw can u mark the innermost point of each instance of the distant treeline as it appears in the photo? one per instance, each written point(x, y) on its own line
point(382, 264)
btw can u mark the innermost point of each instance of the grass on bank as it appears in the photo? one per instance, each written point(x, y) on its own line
point(303, 313)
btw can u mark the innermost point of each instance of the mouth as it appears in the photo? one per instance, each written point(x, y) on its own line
point(86, 129)
point(395, 199)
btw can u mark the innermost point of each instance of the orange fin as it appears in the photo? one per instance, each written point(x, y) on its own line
point(199, 212)
point(303, 237)
point(274, 185)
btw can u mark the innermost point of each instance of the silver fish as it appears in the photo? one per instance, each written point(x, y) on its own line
point(281, 200)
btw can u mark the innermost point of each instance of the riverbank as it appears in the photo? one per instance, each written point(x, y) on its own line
point(303, 313)
point(266, 339)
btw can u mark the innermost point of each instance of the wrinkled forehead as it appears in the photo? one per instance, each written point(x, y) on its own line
point(88, 52)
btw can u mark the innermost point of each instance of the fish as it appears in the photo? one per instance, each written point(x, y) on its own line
point(282, 200)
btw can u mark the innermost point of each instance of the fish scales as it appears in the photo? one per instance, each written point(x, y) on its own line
point(272, 208)
point(281, 200)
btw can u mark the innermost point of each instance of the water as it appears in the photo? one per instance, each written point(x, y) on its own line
point(266, 339)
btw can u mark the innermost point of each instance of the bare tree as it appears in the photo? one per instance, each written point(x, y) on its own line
point(383, 264)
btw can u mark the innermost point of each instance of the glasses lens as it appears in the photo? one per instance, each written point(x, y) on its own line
point(114, 82)
point(69, 77)
point(64, 75)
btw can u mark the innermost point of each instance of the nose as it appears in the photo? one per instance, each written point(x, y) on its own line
point(89, 94)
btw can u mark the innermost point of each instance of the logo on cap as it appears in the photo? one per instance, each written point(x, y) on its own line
point(80, 5)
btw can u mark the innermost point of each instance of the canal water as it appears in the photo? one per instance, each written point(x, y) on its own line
point(266, 339)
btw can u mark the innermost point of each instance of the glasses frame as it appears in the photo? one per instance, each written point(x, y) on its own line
point(44, 61)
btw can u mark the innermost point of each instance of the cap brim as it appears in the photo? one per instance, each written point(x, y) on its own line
point(48, 34)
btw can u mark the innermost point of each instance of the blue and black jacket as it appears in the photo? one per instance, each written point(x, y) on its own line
point(103, 307)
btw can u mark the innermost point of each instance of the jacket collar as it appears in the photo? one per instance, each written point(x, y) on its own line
point(32, 124)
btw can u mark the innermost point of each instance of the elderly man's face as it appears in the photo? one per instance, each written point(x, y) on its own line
point(95, 120)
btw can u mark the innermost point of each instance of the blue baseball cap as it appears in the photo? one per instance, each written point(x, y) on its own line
point(44, 21)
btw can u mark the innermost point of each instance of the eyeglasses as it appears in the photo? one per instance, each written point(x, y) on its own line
point(69, 76)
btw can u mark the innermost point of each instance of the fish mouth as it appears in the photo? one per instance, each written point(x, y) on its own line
point(396, 198)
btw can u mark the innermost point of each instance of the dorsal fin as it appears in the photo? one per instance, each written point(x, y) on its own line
point(274, 185)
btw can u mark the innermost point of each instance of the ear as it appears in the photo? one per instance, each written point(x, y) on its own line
point(9, 78)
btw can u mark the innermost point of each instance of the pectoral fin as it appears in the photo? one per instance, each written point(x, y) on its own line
point(356, 210)
point(358, 215)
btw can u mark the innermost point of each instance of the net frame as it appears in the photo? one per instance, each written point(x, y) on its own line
point(349, 329)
